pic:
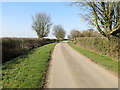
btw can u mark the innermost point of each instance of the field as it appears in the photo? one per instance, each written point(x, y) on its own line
point(105, 61)
point(28, 70)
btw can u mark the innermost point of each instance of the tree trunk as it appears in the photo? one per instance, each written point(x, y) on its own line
point(39, 36)
point(75, 40)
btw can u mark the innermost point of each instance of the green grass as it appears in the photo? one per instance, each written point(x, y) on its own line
point(27, 71)
point(100, 59)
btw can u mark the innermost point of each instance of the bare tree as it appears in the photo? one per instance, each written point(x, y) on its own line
point(104, 15)
point(75, 34)
point(59, 32)
point(42, 24)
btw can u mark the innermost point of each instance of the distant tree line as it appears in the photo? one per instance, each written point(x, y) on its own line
point(74, 34)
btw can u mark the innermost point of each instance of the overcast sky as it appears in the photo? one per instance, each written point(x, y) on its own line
point(17, 21)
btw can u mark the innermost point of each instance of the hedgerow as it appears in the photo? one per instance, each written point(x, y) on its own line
point(100, 45)
point(13, 47)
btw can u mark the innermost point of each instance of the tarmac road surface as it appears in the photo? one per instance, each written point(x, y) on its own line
point(70, 69)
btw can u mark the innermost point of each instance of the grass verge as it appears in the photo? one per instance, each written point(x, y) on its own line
point(27, 71)
point(100, 59)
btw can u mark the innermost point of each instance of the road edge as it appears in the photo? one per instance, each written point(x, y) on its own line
point(48, 70)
